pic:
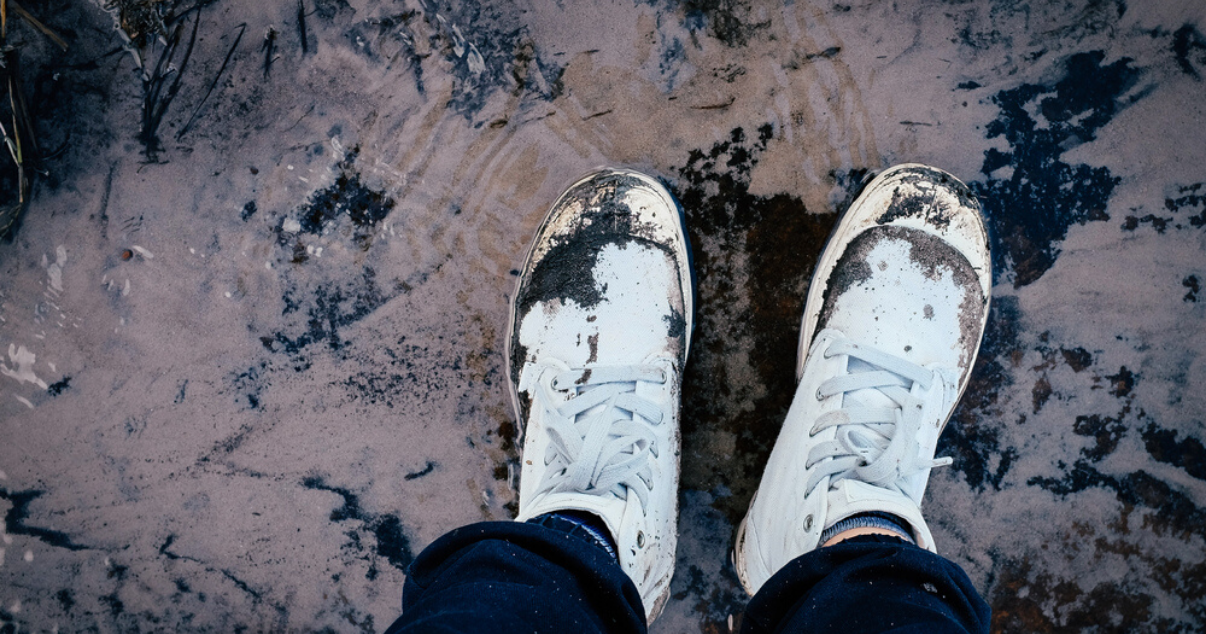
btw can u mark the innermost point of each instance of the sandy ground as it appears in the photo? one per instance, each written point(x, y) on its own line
point(295, 380)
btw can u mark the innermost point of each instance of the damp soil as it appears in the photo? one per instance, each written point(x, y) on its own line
point(750, 304)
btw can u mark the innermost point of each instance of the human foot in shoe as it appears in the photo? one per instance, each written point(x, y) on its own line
point(891, 329)
point(600, 329)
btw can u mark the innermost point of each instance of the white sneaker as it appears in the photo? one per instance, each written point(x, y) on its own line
point(891, 329)
point(600, 329)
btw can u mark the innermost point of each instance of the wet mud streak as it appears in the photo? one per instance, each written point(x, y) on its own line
point(248, 386)
point(391, 542)
point(753, 258)
point(1191, 197)
point(1194, 284)
point(1167, 509)
point(1172, 511)
point(1165, 446)
point(1180, 206)
point(428, 468)
point(1036, 197)
point(14, 520)
point(1189, 47)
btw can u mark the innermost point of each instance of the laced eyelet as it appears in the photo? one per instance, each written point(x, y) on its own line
point(664, 377)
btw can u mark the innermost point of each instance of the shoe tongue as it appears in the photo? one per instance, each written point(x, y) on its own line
point(870, 397)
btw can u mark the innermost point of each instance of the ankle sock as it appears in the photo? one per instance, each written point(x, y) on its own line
point(581, 524)
point(883, 521)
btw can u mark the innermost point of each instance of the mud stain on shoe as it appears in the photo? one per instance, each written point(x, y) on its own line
point(593, 342)
point(676, 324)
point(918, 196)
point(565, 271)
point(935, 258)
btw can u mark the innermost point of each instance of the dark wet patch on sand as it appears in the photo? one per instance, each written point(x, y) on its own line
point(16, 516)
point(325, 310)
point(347, 197)
point(484, 46)
point(390, 540)
point(1030, 209)
point(749, 307)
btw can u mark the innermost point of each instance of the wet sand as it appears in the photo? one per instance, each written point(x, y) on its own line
point(295, 380)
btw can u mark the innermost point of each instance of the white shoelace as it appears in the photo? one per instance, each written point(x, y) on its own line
point(879, 420)
point(604, 451)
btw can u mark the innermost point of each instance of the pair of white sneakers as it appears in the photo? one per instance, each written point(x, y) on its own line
point(600, 330)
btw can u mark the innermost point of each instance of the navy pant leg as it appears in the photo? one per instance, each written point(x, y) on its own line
point(511, 577)
point(868, 584)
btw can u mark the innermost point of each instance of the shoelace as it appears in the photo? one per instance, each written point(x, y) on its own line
point(877, 442)
point(604, 451)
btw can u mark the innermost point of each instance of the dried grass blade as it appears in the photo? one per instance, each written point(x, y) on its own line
point(37, 24)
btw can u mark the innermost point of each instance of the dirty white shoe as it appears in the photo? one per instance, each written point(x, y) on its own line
point(600, 328)
point(891, 329)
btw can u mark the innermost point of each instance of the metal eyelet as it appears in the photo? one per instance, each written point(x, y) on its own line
point(819, 397)
point(808, 523)
point(640, 539)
